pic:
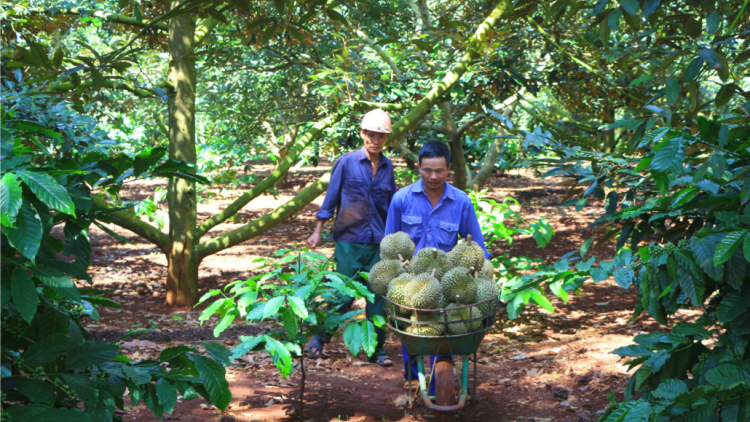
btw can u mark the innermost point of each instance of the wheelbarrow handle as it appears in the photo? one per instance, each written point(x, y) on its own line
point(464, 388)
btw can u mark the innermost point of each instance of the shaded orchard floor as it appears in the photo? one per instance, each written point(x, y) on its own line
point(542, 366)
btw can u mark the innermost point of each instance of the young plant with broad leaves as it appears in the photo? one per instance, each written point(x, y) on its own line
point(54, 160)
point(688, 195)
point(298, 291)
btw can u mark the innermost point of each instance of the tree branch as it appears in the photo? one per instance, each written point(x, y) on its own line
point(429, 126)
point(129, 221)
point(474, 120)
point(488, 164)
point(109, 17)
point(260, 225)
point(451, 77)
point(266, 183)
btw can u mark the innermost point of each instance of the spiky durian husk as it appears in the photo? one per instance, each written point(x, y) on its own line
point(487, 269)
point(382, 273)
point(457, 328)
point(459, 286)
point(397, 293)
point(486, 289)
point(424, 292)
point(396, 244)
point(475, 324)
point(468, 254)
point(431, 330)
point(428, 259)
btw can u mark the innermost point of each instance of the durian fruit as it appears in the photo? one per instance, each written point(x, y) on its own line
point(467, 254)
point(424, 291)
point(431, 330)
point(443, 303)
point(475, 315)
point(487, 269)
point(396, 244)
point(457, 328)
point(382, 273)
point(459, 286)
point(397, 293)
point(428, 259)
point(486, 289)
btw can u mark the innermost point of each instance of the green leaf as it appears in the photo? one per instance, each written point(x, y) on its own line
point(218, 351)
point(669, 157)
point(247, 344)
point(727, 376)
point(58, 281)
point(297, 305)
point(670, 389)
point(624, 277)
point(724, 95)
point(272, 306)
point(369, 338)
point(727, 246)
point(732, 306)
point(630, 6)
point(225, 322)
point(541, 300)
point(36, 390)
point(673, 90)
point(137, 13)
point(89, 354)
point(10, 198)
point(289, 320)
point(636, 414)
point(83, 387)
point(634, 350)
point(144, 160)
point(27, 236)
point(692, 70)
point(25, 296)
point(693, 288)
point(746, 248)
point(46, 350)
point(212, 375)
point(353, 338)
point(48, 191)
point(712, 22)
point(167, 395)
point(281, 356)
point(104, 410)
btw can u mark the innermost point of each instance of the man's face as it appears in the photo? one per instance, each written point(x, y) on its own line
point(434, 171)
point(374, 141)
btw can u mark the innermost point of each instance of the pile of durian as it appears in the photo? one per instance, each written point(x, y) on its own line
point(435, 280)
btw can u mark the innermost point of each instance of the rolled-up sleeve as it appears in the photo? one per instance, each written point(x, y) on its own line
point(470, 226)
point(393, 222)
point(333, 193)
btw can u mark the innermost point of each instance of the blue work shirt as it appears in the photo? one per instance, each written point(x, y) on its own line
point(411, 211)
point(359, 200)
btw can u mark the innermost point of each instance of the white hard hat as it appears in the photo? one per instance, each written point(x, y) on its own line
point(377, 121)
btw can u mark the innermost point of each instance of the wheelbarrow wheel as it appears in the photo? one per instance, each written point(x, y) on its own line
point(445, 390)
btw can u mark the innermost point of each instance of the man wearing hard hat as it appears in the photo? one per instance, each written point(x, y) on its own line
point(362, 185)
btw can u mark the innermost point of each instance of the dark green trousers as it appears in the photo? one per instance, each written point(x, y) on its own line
point(351, 258)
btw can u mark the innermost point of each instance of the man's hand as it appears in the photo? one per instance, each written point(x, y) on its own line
point(314, 239)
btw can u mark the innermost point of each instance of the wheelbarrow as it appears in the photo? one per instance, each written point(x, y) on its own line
point(420, 346)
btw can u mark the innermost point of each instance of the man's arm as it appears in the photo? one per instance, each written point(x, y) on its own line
point(330, 203)
point(469, 225)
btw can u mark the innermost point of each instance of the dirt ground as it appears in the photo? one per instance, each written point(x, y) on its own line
point(541, 367)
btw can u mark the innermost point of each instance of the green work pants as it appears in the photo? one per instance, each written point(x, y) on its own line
point(351, 258)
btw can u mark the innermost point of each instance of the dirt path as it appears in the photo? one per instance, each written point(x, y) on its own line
point(540, 367)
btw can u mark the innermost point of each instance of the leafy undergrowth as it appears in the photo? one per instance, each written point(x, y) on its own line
point(541, 366)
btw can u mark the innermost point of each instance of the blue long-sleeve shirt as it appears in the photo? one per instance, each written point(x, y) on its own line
point(411, 211)
point(359, 200)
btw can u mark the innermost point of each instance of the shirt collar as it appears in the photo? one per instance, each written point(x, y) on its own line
point(362, 155)
point(447, 192)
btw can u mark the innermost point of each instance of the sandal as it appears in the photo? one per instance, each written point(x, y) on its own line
point(382, 360)
point(412, 385)
point(315, 348)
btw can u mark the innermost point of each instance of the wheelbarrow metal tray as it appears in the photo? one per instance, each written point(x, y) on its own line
point(464, 344)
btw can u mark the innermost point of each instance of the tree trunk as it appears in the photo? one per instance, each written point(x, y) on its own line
point(609, 136)
point(182, 274)
point(458, 161)
point(488, 165)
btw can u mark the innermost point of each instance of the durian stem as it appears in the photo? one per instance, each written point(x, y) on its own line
point(468, 239)
point(476, 274)
point(404, 263)
point(468, 272)
point(434, 270)
point(401, 257)
point(434, 254)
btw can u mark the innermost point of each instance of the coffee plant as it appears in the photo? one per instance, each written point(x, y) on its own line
point(54, 162)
